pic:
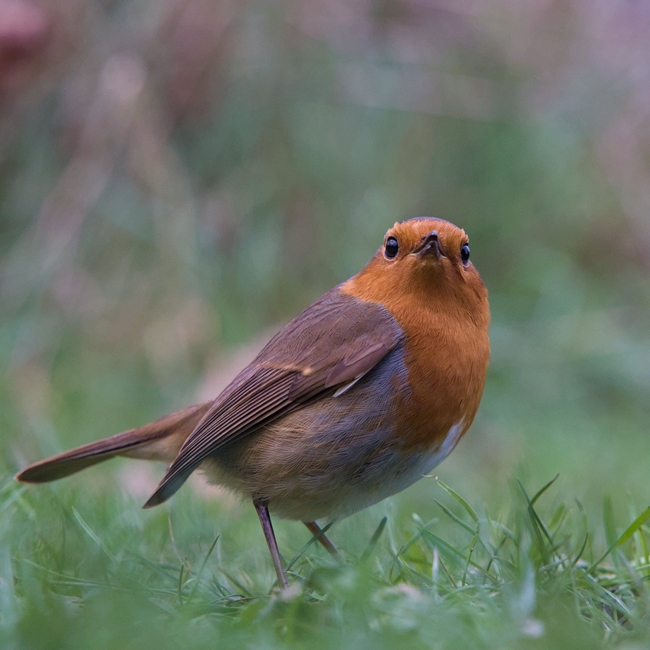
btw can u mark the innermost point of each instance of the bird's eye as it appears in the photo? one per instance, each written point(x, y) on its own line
point(464, 253)
point(391, 248)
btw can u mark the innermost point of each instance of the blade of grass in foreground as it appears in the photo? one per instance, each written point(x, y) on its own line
point(197, 579)
point(627, 534)
point(374, 539)
point(453, 493)
point(93, 535)
point(313, 539)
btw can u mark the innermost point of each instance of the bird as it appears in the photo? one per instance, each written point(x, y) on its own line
point(356, 398)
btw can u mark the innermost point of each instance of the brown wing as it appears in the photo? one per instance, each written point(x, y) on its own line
point(328, 346)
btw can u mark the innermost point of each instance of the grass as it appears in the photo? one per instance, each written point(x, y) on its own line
point(84, 566)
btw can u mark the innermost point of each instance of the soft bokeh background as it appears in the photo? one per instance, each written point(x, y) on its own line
point(180, 177)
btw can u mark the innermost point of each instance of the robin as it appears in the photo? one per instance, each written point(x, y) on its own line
point(355, 399)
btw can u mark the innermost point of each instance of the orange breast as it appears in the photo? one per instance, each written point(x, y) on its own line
point(447, 363)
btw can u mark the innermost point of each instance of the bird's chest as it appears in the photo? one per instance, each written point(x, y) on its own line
point(446, 373)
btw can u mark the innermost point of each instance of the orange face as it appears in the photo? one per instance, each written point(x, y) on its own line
point(422, 257)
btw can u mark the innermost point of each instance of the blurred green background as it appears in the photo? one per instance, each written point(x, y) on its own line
point(180, 177)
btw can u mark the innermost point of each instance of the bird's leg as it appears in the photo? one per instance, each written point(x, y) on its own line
point(322, 538)
point(267, 527)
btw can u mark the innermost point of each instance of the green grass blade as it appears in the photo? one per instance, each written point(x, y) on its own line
point(313, 539)
point(374, 539)
point(470, 511)
point(93, 535)
point(543, 489)
point(180, 584)
point(537, 524)
point(455, 518)
point(451, 551)
point(200, 571)
point(627, 534)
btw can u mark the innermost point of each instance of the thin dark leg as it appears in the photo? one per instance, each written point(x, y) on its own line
point(322, 538)
point(267, 527)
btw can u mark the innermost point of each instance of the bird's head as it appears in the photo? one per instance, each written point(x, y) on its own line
point(423, 259)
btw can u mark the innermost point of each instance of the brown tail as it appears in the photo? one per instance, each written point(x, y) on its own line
point(159, 440)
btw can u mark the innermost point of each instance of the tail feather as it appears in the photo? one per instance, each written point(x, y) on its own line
point(159, 440)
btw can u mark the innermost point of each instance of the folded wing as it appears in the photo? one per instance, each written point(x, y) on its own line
point(324, 350)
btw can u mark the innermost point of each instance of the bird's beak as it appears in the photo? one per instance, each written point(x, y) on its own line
point(429, 247)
